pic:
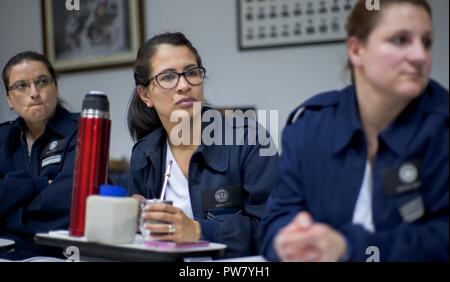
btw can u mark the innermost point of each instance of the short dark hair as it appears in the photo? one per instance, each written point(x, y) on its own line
point(141, 119)
point(26, 56)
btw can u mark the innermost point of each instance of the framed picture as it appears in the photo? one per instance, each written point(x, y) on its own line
point(270, 23)
point(93, 34)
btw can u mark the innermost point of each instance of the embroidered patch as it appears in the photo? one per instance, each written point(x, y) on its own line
point(51, 160)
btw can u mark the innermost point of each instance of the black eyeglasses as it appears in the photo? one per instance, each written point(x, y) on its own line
point(169, 79)
point(22, 86)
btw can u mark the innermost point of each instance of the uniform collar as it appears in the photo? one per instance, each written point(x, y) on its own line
point(215, 156)
point(153, 147)
point(404, 127)
point(58, 123)
point(397, 135)
point(347, 118)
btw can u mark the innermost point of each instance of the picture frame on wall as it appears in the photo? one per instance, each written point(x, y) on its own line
point(97, 34)
point(279, 23)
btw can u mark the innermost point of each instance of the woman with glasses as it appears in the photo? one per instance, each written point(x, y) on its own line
point(218, 192)
point(364, 171)
point(36, 156)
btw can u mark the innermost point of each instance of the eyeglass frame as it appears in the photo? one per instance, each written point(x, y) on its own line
point(179, 74)
point(14, 87)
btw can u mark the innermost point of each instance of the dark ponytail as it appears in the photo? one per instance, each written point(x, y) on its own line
point(142, 119)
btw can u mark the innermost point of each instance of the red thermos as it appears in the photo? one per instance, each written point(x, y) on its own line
point(91, 162)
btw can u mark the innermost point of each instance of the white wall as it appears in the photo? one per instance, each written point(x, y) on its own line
point(276, 79)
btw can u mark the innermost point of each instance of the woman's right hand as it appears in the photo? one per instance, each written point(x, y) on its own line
point(174, 224)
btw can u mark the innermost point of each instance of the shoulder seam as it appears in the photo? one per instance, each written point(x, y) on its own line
point(325, 99)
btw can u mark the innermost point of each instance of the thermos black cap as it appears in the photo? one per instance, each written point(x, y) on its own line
point(96, 100)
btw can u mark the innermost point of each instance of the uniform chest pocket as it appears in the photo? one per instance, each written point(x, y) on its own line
point(223, 200)
point(51, 158)
point(402, 184)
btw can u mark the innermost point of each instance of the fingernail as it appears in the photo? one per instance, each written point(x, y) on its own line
point(305, 221)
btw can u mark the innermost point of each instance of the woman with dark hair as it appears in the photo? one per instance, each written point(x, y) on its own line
point(364, 170)
point(218, 192)
point(37, 153)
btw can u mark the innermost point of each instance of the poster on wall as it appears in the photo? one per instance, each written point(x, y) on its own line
point(92, 34)
point(276, 23)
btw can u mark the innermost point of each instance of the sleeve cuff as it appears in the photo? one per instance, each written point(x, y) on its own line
point(348, 251)
point(210, 230)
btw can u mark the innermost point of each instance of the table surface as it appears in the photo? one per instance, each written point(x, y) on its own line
point(136, 251)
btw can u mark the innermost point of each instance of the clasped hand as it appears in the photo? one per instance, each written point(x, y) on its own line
point(305, 240)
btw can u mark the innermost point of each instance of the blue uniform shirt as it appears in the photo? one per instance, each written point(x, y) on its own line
point(228, 187)
point(28, 203)
point(322, 167)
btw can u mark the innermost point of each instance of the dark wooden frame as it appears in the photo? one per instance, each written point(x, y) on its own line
point(136, 9)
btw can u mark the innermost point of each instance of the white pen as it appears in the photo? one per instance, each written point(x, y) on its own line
point(166, 179)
